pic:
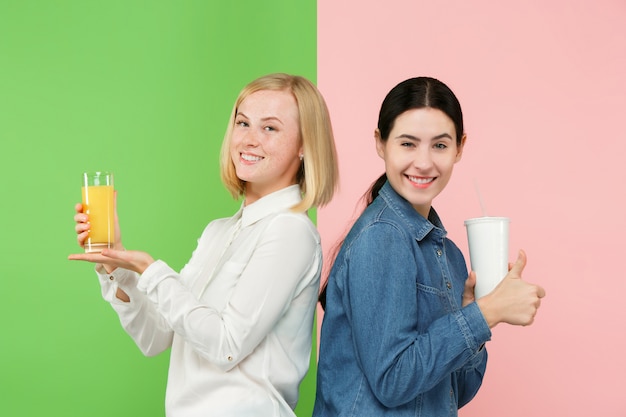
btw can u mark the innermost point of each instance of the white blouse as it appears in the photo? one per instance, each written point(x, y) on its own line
point(238, 317)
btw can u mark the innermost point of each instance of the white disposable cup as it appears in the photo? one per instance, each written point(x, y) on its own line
point(488, 239)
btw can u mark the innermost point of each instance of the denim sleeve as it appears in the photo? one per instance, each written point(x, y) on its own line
point(470, 377)
point(380, 298)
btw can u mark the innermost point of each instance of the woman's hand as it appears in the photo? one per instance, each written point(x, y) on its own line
point(468, 292)
point(513, 301)
point(132, 260)
point(82, 226)
point(82, 229)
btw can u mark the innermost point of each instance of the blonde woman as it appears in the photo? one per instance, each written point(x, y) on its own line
point(238, 317)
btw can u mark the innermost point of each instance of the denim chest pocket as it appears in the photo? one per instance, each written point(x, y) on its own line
point(431, 304)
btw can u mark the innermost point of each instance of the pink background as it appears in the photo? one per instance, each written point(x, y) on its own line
point(544, 98)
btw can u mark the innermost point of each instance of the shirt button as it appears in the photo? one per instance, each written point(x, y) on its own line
point(448, 285)
point(230, 358)
point(439, 253)
point(111, 278)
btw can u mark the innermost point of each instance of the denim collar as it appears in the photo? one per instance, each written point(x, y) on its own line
point(414, 221)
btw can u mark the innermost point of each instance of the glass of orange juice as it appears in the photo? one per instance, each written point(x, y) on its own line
point(98, 204)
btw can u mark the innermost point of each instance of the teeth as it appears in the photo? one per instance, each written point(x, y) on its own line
point(251, 158)
point(421, 180)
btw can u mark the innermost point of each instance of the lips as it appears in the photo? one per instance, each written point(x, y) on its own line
point(421, 181)
point(251, 158)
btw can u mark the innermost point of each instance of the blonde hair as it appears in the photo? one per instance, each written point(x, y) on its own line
point(318, 174)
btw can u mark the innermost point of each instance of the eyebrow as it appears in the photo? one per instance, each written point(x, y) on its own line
point(434, 138)
point(263, 119)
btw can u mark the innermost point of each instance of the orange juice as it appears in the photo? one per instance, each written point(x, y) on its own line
point(98, 204)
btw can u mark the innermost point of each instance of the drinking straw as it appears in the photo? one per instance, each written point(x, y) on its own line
point(480, 198)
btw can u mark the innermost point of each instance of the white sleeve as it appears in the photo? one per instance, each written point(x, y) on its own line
point(286, 260)
point(139, 317)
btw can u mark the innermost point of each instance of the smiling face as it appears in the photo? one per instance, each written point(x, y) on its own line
point(419, 155)
point(266, 144)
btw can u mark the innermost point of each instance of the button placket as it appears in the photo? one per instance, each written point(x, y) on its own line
point(439, 253)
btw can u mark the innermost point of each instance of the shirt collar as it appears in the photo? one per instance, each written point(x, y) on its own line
point(281, 200)
point(414, 221)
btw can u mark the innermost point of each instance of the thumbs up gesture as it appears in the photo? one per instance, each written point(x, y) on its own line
point(514, 300)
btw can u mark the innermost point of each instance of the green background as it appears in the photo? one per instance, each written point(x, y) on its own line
point(144, 89)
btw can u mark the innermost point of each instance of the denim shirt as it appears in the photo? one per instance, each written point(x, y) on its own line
point(395, 340)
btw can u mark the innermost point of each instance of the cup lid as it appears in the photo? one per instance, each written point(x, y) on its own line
point(487, 219)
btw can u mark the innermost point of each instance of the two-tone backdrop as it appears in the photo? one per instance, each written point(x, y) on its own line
point(145, 89)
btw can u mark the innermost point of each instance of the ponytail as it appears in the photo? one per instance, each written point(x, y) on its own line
point(369, 197)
